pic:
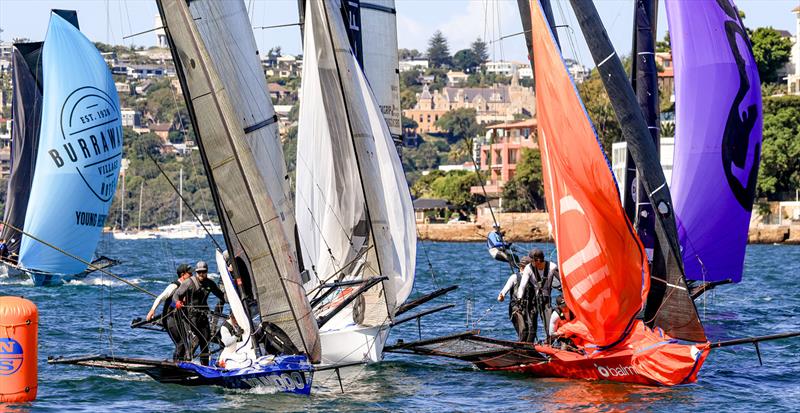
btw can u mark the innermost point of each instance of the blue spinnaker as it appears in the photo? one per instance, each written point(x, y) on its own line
point(79, 153)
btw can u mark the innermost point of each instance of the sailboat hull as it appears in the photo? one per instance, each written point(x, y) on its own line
point(354, 344)
point(284, 374)
point(616, 366)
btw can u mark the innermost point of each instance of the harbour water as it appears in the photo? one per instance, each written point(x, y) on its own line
point(93, 317)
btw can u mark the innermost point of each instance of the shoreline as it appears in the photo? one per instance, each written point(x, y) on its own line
point(532, 227)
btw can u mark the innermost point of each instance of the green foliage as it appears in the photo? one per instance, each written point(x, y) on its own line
point(460, 152)
point(159, 200)
point(599, 107)
point(408, 98)
point(525, 192)
point(664, 45)
point(780, 153)
point(439, 78)
point(480, 49)
point(409, 123)
point(771, 50)
point(438, 50)
point(460, 124)
point(409, 54)
point(421, 158)
point(668, 129)
point(453, 186)
point(466, 61)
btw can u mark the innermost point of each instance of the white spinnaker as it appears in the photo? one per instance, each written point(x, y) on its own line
point(379, 51)
point(329, 201)
point(342, 130)
point(397, 198)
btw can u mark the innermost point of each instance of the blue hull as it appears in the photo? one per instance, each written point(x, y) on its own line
point(285, 374)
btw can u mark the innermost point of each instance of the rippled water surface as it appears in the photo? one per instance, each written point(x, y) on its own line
point(75, 319)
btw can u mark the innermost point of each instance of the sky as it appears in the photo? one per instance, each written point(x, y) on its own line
point(461, 21)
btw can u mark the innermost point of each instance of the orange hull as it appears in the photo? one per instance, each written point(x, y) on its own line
point(645, 357)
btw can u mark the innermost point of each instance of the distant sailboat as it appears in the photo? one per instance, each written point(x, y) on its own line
point(355, 220)
point(127, 233)
point(226, 94)
point(66, 153)
point(186, 229)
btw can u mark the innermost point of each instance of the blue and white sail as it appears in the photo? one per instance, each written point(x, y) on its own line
point(79, 153)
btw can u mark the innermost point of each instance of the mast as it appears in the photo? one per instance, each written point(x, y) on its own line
point(226, 94)
point(675, 312)
point(644, 79)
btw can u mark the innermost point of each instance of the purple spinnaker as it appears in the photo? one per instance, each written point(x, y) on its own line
point(718, 136)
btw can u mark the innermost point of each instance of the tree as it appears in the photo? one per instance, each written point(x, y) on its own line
point(460, 124)
point(466, 61)
point(421, 158)
point(771, 50)
point(664, 45)
point(438, 50)
point(479, 48)
point(525, 191)
point(409, 54)
point(600, 110)
point(780, 153)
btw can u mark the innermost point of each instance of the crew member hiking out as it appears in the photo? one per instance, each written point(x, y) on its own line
point(498, 248)
point(540, 277)
point(169, 320)
point(193, 294)
point(519, 306)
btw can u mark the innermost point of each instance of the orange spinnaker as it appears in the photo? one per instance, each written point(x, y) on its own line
point(603, 265)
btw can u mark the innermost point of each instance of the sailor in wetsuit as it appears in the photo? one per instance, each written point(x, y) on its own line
point(499, 249)
point(519, 306)
point(193, 294)
point(540, 277)
point(168, 318)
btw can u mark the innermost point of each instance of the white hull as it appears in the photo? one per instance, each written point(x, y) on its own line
point(353, 344)
point(134, 235)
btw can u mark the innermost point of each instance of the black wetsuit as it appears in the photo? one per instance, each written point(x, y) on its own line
point(175, 329)
point(194, 294)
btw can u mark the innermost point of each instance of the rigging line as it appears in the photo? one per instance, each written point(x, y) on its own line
point(230, 138)
point(351, 262)
point(202, 224)
point(328, 205)
point(277, 167)
point(275, 26)
point(94, 267)
point(327, 22)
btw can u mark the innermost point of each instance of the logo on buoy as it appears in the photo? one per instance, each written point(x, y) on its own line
point(10, 356)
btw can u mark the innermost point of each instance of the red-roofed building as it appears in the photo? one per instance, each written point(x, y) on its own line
point(500, 152)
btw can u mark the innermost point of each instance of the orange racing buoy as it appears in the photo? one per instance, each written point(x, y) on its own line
point(19, 324)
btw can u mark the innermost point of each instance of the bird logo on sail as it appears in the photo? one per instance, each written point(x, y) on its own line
point(92, 132)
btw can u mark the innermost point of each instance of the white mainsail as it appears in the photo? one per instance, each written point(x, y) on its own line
point(353, 206)
point(381, 62)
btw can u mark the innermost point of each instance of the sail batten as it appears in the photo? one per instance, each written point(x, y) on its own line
point(718, 136)
point(227, 93)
